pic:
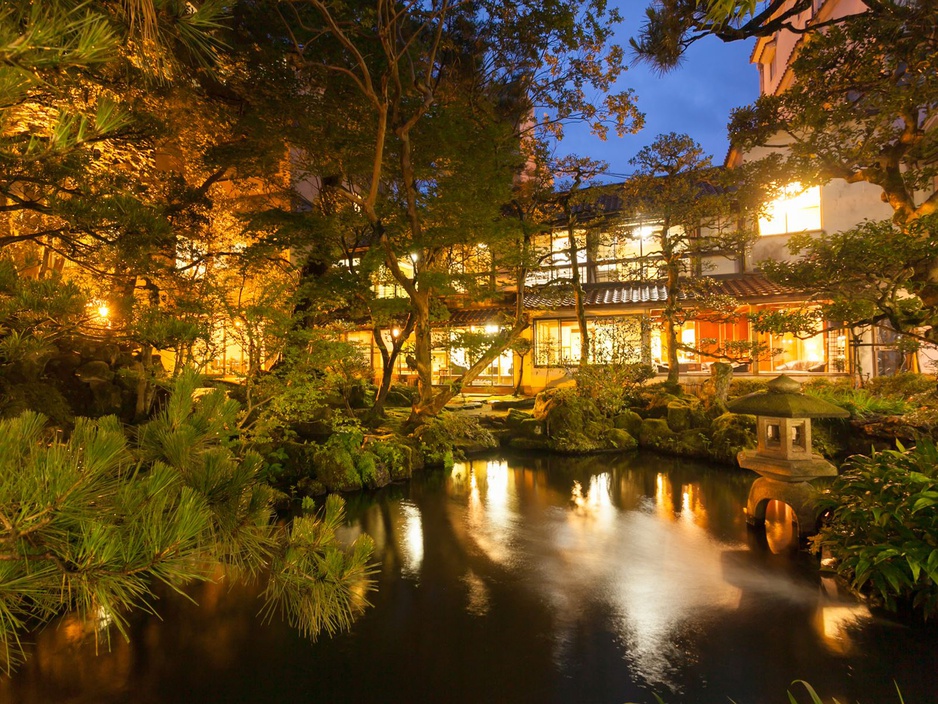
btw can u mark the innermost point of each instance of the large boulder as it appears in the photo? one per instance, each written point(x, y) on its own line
point(618, 439)
point(731, 433)
point(94, 371)
point(679, 416)
point(374, 473)
point(532, 428)
point(655, 434)
point(629, 421)
point(335, 468)
point(572, 422)
point(515, 418)
point(400, 396)
point(397, 457)
point(690, 443)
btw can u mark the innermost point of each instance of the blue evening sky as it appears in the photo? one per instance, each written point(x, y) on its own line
point(695, 98)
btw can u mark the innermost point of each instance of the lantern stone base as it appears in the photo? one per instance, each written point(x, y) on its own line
point(800, 495)
point(786, 470)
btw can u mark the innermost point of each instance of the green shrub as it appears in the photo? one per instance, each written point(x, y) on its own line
point(741, 387)
point(901, 385)
point(612, 387)
point(860, 402)
point(449, 435)
point(824, 439)
point(883, 525)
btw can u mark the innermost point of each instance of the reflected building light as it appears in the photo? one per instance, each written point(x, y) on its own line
point(599, 500)
point(834, 624)
point(496, 484)
point(692, 509)
point(478, 594)
point(664, 502)
point(412, 543)
point(491, 525)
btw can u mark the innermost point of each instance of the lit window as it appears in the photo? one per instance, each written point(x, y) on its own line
point(796, 210)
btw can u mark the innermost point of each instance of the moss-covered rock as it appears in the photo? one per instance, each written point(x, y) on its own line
point(629, 421)
point(335, 468)
point(519, 443)
point(374, 473)
point(730, 434)
point(531, 428)
point(516, 417)
point(679, 416)
point(690, 443)
point(573, 423)
point(396, 457)
point(400, 396)
point(619, 439)
point(655, 433)
point(307, 486)
point(95, 370)
point(449, 435)
point(107, 398)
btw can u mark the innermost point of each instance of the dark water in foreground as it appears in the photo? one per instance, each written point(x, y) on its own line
point(533, 580)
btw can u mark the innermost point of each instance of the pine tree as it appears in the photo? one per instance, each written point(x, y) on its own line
point(92, 522)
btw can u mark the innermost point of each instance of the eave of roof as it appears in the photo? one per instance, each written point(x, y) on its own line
point(745, 287)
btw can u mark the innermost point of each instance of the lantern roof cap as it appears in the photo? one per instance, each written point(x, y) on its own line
point(783, 399)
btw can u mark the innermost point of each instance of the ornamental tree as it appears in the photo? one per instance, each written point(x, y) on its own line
point(433, 100)
point(699, 211)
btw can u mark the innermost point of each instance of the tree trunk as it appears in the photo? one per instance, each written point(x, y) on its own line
point(671, 310)
point(578, 296)
point(520, 375)
point(423, 349)
point(388, 360)
point(423, 410)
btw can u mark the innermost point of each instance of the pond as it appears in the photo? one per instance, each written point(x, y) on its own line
point(605, 579)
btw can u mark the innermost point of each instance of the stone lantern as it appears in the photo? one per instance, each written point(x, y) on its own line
point(783, 431)
point(783, 455)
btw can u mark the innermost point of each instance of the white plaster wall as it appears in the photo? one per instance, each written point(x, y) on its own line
point(844, 205)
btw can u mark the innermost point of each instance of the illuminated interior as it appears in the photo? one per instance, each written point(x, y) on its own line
point(796, 210)
point(557, 342)
point(798, 355)
point(386, 285)
point(449, 360)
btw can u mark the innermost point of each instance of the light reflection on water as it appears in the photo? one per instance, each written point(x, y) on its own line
point(559, 580)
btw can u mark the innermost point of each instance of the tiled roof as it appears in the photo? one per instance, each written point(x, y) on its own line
point(621, 294)
point(745, 287)
point(477, 316)
point(752, 286)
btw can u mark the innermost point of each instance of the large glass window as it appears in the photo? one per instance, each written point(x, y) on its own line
point(457, 349)
point(613, 339)
point(797, 209)
point(710, 340)
point(386, 285)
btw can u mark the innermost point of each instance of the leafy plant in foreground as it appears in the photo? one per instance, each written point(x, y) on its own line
point(883, 525)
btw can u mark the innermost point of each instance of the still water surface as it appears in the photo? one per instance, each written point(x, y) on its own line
point(522, 580)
